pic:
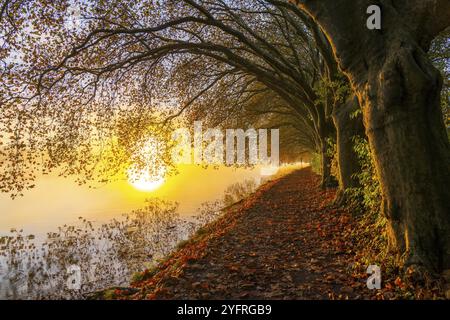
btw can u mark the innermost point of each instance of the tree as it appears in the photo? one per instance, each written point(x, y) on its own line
point(243, 106)
point(340, 103)
point(399, 92)
point(123, 48)
point(348, 121)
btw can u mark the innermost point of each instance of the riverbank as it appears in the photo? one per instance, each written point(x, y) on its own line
point(285, 241)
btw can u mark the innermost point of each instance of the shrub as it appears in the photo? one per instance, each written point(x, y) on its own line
point(332, 154)
point(371, 233)
point(369, 194)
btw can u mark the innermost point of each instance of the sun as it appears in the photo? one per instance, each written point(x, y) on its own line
point(149, 175)
point(144, 181)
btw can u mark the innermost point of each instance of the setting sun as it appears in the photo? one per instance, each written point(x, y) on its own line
point(224, 150)
point(144, 181)
point(150, 174)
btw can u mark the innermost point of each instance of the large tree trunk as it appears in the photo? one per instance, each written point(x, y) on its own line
point(347, 126)
point(412, 154)
point(398, 89)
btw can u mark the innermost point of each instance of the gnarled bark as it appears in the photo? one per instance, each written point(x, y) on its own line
point(398, 89)
point(406, 131)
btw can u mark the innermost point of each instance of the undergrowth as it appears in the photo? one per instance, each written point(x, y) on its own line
point(370, 238)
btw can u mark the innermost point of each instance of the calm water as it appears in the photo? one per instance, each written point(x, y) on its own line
point(123, 230)
point(57, 201)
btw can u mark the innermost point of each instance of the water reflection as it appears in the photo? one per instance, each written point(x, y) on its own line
point(106, 253)
point(58, 201)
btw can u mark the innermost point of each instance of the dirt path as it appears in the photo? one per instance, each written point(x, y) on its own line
point(284, 242)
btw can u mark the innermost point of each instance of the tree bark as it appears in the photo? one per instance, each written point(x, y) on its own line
point(327, 180)
point(412, 155)
point(398, 89)
point(347, 126)
point(325, 130)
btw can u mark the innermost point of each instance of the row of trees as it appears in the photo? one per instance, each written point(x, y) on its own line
point(75, 76)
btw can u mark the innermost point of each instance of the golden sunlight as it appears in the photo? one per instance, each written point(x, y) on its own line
point(150, 174)
point(144, 181)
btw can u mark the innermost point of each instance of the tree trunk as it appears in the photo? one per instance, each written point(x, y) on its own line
point(347, 126)
point(412, 155)
point(325, 130)
point(327, 180)
point(398, 89)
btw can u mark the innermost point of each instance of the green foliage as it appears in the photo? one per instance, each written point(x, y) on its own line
point(338, 90)
point(370, 235)
point(356, 113)
point(369, 194)
point(332, 154)
point(316, 159)
point(316, 163)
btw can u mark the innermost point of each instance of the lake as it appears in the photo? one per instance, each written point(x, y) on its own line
point(110, 232)
point(57, 201)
